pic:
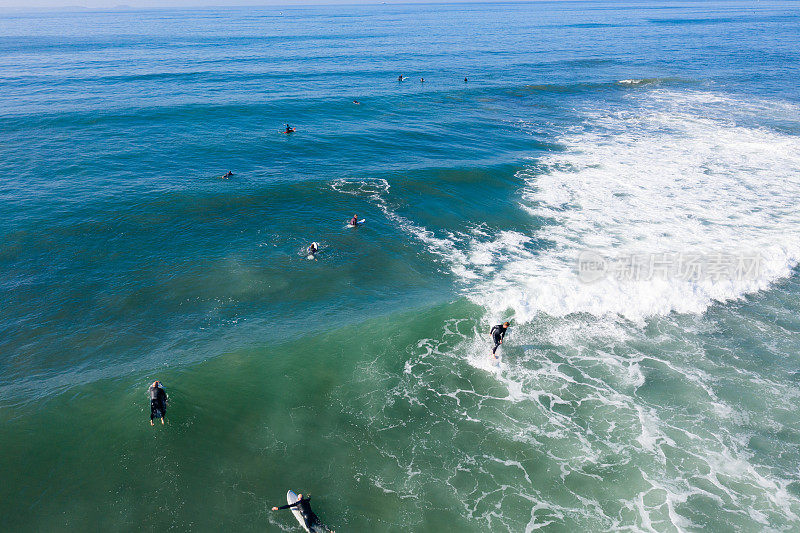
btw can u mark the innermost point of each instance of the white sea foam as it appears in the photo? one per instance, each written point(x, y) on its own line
point(670, 173)
point(660, 176)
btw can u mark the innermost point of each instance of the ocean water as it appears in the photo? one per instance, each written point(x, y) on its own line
point(636, 400)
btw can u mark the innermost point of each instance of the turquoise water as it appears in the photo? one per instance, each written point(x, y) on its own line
point(619, 129)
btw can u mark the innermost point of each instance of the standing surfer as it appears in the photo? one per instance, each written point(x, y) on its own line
point(498, 333)
point(158, 402)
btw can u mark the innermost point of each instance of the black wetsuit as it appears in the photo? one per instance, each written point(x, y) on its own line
point(311, 520)
point(158, 402)
point(498, 333)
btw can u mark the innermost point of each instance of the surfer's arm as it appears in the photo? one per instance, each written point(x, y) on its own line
point(287, 506)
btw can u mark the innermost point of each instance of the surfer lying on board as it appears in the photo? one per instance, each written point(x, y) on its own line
point(498, 333)
point(158, 402)
point(311, 520)
point(228, 174)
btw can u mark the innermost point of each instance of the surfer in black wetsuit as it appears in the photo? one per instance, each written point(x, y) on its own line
point(289, 129)
point(313, 249)
point(228, 174)
point(311, 520)
point(158, 402)
point(498, 332)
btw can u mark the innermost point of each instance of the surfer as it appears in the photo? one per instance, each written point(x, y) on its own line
point(310, 520)
point(354, 220)
point(422, 80)
point(228, 174)
point(356, 102)
point(158, 402)
point(498, 332)
point(289, 129)
point(465, 79)
point(400, 77)
point(313, 249)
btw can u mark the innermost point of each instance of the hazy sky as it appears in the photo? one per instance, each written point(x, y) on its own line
point(105, 4)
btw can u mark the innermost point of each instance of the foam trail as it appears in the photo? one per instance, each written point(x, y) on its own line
point(444, 248)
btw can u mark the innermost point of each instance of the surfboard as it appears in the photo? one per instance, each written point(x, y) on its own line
point(291, 497)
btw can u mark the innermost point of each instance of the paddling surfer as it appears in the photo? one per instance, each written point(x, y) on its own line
point(158, 402)
point(310, 520)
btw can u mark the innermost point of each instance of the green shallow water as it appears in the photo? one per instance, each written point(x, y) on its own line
point(388, 429)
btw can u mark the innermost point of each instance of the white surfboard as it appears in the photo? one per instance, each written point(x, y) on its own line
point(359, 223)
point(312, 255)
point(291, 497)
